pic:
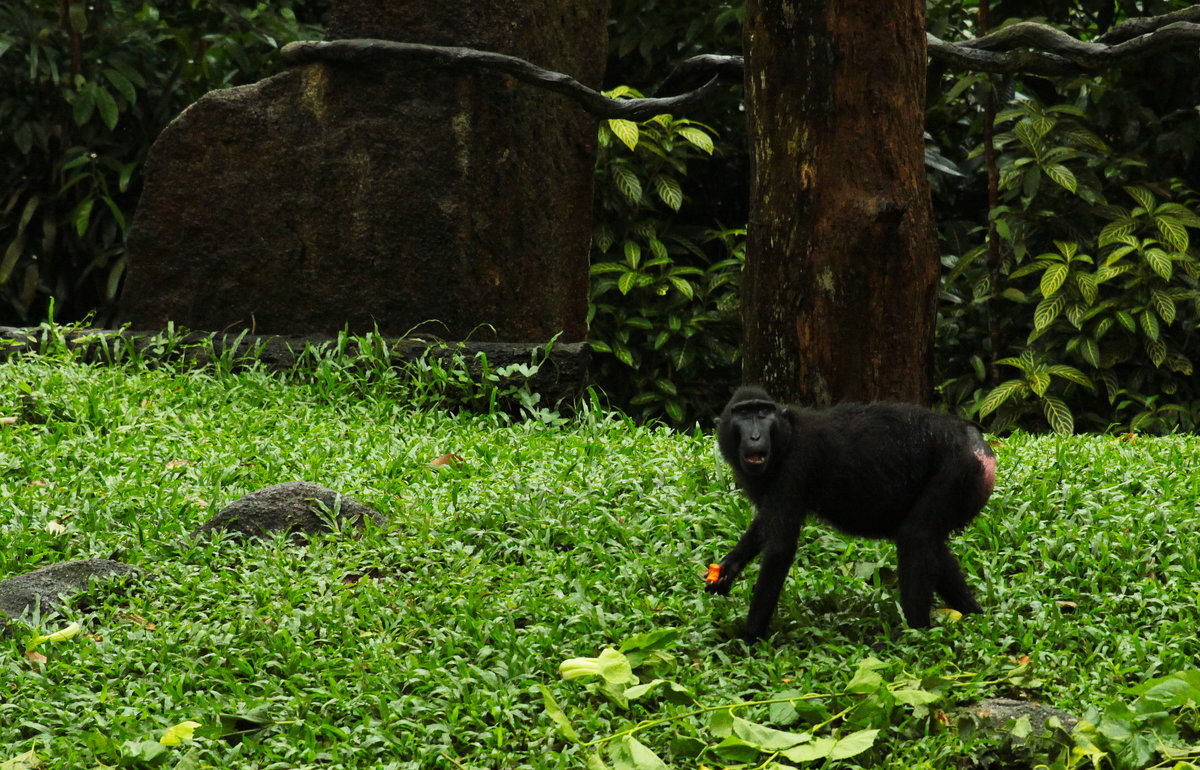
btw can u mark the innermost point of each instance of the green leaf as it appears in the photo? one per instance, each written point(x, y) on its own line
point(1173, 233)
point(1058, 414)
point(767, 738)
point(685, 288)
point(720, 723)
point(1069, 373)
point(1143, 196)
point(628, 753)
point(557, 715)
point(1117, 231)
point(633, 253)
point(1062, 175)
point(145, 752)
point(1032, 182)
point(78, 17)
point(27, 761)
point(1090, 350)
point(628, 184)
point(83, 216)
point(1156, 349)
point(1001, 393)
point(669, 191)
point(735, 750)
point(853, 744)
point(84, 106)
point(1159, 261)
point(866, 679)
point(1027, 134)
point(1088, 287)
point(1149, 324)
point(23, 137)
point(107, 105)
point(625, 130)
point(1054, 277)
point(1047, 310)
point(122, 84)
point(820, 748)
point(1038, 383)
point(1163, 305)
point(698, 138)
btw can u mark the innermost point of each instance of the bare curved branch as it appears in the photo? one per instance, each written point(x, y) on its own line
point(1025, 47)
point(1040, 49)
point(365, 50)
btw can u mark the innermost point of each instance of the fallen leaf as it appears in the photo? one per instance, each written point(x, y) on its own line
point(8, 420)
point(452, 460)
point(35, 656)
point(55, 527)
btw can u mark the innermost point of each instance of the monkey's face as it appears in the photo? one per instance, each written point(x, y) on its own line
point(757, 425)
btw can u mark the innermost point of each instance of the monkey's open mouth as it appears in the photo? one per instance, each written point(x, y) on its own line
point(755, 458)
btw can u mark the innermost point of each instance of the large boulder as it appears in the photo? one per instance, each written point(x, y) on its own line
point(381, 195)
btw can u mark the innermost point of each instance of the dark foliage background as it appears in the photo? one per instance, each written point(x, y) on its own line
point(1069, 301)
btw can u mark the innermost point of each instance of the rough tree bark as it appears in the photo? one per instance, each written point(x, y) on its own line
point(839, 291)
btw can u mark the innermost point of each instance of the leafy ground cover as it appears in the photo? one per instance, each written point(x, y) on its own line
point(442, 639)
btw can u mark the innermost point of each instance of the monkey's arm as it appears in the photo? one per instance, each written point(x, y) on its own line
point(778, 553)
point(732, 565)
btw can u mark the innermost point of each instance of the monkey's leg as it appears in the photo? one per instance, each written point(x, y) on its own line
point(919, 569)
point(778, 553)
point(951, 585)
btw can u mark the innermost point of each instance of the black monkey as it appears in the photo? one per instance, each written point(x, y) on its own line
point(884, 470)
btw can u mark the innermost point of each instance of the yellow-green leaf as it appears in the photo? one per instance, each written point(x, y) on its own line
point(1058, 414)
point(179, 733)
point(1053, 278)
point(625, 130)
point(698, 138)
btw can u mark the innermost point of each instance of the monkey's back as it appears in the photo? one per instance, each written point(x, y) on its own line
point(864, 467)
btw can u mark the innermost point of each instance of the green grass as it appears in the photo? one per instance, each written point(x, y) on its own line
point(550, 542)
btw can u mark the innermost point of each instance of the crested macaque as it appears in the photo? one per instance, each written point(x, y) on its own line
point(882, 470)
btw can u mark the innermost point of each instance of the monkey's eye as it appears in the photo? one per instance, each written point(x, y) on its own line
point(764, 412)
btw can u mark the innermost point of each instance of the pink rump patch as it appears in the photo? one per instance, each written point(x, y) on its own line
point(988, 461)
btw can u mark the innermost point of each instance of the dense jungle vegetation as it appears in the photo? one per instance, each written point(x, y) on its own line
point(1069, 294)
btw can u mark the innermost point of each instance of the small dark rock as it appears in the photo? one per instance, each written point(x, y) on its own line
point(52, 586)
point(300, 507)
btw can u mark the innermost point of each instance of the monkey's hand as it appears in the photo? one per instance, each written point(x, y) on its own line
point(720, 578)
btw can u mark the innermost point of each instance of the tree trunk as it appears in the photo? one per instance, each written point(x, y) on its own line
point(840, 286)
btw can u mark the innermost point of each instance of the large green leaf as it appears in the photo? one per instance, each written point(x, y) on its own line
point(625, 130)
point(1173, 232)
point(1143, 196)
point(628, 753)
point(628, 183)
point(1047, 310)
point(1000, 394)
point(1062, 175)
point(1058, 414)
point(698, 138)
point(1159, 261)
point(1053, 278)
point(669, 191)
point(1163, 305)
